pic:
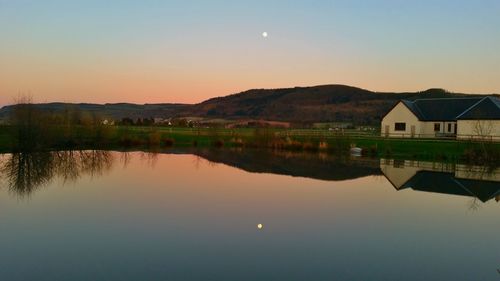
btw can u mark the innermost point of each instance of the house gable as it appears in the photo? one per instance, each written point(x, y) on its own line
point(400, 112)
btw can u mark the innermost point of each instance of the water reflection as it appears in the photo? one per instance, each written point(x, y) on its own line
point(479, 182)
point(168, 222)
point(27, 172)
point(320, 166)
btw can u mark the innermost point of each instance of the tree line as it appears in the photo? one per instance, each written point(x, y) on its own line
point(33, 129)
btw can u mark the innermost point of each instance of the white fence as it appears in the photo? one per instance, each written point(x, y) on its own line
point(377, 135)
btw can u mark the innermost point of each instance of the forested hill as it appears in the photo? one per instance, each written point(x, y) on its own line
point(328, 103)
point(309, 104)
point(109, 110)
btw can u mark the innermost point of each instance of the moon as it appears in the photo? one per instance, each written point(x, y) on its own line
point(260, 226)
point(264, 34)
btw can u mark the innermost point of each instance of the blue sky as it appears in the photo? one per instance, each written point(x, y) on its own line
point(187, 51)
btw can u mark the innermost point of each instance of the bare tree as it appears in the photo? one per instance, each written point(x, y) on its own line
point(27, 123)
point(483, 129)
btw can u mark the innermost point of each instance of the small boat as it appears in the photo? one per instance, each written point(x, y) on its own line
point(356, 151)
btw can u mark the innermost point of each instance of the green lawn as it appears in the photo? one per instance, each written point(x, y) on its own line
point(370, 142)
point(423, 149)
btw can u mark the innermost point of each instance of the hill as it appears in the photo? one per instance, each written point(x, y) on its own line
point(327, 103)
point(109, 110)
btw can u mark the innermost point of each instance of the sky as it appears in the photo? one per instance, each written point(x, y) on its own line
point(188, 51)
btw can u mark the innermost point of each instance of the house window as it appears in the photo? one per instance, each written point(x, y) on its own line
point(400, 127)
point(437, 127)
point(449, 127)
point(455, 131)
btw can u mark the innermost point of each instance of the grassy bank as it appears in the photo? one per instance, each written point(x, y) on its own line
point(104, 137)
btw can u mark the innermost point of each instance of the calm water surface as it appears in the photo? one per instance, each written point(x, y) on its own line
point(99, 215)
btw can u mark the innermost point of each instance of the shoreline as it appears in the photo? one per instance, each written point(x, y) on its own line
point(130, 137)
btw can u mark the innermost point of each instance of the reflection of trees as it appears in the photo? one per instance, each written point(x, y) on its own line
point(480, 172)
point(197, 161)
point(95, 162)
point(149, 157)
point(27, 171)
point(474, 204)
point(68, 167)
point(125, 158)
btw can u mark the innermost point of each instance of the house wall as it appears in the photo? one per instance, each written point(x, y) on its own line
point(397, 174)
point(478, 129)
point(428, 129)
point(400, 114)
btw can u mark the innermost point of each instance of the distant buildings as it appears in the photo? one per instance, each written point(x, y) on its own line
point(108, 122)
point(461, 118)
point(162, 121)
point(257, 124)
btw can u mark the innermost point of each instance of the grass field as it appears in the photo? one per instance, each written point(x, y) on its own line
point(293, 139)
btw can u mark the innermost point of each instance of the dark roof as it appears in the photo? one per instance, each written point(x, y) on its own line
point(447, 183)
point(486, 109)
point(443, 109)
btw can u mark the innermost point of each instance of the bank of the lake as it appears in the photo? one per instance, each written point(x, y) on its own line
point(281, 139)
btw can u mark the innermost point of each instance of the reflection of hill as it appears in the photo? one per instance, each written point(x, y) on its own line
point(478, 182)
point(26, 172)
point(309, 165)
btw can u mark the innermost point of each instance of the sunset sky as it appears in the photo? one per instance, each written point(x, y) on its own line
point(188, 51)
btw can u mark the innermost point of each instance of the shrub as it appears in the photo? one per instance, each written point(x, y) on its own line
point(168, 142)
point(129, 141)
point(323, 145)
point(154, 138)
point(218, 143)
point(237, 142)
point(309, 146)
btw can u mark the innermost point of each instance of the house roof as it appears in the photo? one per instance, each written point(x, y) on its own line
point(487, 108)
point(441, 109)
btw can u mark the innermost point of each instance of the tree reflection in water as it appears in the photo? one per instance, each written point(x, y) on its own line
point(25, 172)
point(150, 158)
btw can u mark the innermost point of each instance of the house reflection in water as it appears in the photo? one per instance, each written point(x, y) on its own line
point(454, 179)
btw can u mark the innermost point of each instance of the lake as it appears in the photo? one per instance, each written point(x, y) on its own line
point(245, 215)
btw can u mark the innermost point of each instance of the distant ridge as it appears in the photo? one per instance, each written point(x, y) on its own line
point(325, 103)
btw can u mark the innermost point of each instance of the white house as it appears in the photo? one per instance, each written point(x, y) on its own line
point(461, 118)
